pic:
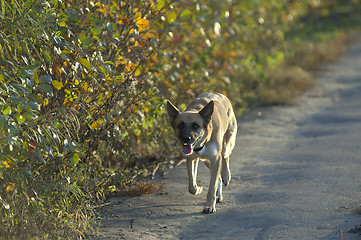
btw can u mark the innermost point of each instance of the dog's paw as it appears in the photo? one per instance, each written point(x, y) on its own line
point(219, 199)
point(199, 190)
point(195, 190)
point(208, 209)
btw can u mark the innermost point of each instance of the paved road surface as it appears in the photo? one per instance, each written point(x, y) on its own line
point(296, 174)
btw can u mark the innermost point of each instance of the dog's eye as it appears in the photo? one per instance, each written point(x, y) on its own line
point(181, 125)
point(195, 126)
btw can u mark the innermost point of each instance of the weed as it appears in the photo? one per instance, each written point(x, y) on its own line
point(139, 188)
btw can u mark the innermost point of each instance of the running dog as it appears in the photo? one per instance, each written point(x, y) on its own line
point(207, 130)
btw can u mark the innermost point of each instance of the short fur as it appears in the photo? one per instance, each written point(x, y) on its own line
point(207, 130)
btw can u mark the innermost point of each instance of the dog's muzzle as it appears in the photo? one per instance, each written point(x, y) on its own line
point(188, 146)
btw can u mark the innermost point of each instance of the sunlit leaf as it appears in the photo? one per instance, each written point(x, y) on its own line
point(160, 4)
point(142, 24)
point(94, 125)
point(20, 118)
point(58, 40)
point(138, 16)
point(4, 203)
point(185, 13)
point(130, 66)
point(7, 110)
point(10, 187)
point(74, 158)
point(85, 63)
point(171, 16)
point(58, 85)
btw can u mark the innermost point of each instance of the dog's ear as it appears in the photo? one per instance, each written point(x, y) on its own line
point(207, 111)
point(172, 112)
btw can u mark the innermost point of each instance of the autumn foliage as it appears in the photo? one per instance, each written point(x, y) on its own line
point(82, 90)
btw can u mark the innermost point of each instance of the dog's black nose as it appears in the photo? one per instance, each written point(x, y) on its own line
point(186, 139)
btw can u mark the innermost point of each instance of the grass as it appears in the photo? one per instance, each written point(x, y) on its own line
point(297, 73)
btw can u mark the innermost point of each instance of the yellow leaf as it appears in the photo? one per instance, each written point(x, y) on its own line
point(58, 85)
point(94, 125)
point(130, 66)
point(85, 86)
point(137, 72)
point(5, 163)
point(138, 16)
point(142, 24)
point(10, 187)
point(167, 83)
point(147, 35)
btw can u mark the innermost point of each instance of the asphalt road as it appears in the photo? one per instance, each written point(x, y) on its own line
point(296, 174)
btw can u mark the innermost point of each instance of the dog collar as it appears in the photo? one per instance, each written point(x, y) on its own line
point(197, 150)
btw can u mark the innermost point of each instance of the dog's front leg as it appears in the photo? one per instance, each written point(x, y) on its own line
point(192, 166)
point(210, 207)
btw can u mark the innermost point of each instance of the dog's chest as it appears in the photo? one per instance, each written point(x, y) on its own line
point(210, 149)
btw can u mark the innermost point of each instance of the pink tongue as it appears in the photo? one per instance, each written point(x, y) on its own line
point(187, 149)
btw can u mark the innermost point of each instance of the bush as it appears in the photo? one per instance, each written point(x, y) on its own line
point(77, 96)
point(83, 85)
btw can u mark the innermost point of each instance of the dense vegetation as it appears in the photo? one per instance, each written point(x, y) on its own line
point(83, 83)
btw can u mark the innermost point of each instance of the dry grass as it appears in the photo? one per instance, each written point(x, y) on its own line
point(284, 84)
point(140, 188)
point(297, 74)
point(312, 55)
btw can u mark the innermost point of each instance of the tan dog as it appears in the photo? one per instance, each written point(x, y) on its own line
point(207, 130)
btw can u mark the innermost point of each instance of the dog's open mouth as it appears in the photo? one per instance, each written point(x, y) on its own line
point(187, 149)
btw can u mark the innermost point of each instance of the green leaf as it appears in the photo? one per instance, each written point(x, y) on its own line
point(74, 158)
point(96, 30)
point(46, 55)
point(186, 13)
point(45, 79)
point(137, 132)
point(45, 88)
point(87, 41)
point(34, 105)
point(7, 110)
point(20, 118)
point(28, 72)
point(85, 63)
point(36, 98)
point(29, 116)
point(3, 122)
point(160, 5)
point(171, 16)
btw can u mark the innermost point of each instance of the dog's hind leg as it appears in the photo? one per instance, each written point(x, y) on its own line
point(226, 172)
point(228, 145)
point(192, 166)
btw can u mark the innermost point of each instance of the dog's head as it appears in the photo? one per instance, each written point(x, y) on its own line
point(190, 126)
